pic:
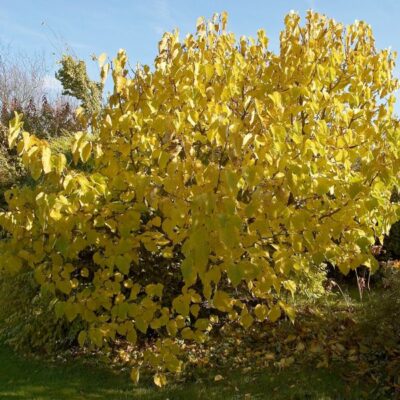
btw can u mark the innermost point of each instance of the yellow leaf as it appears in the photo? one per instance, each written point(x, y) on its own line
point(172, 327)
point(102, 59)
point(135, 375)
point(15, 126)
point(154, 289)
point(70, 311)
point(209, 71)
point(222, 301)
point(85, 150)
point(261, 312)
point(60, 162)
point(246, 320)
point(289, 310)
point(275, 313)
point(160, 379)
point(46, 160)
point(290, 286)
point(224, 19)
point(163, 159)
point(276, 98)
point(132, 336)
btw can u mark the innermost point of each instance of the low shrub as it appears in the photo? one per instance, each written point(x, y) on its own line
point(28, 322)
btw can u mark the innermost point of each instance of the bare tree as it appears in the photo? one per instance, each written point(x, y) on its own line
point(22, 77)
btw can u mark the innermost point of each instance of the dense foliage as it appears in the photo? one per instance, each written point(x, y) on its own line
point(48, 120)
point(76, 82)
point(214, 182)
point(27, 320)
point(52, 120)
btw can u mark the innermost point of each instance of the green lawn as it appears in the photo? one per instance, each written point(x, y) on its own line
point(88, 379)
point(31, 379)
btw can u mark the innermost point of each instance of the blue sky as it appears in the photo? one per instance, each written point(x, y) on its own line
point(88, 27)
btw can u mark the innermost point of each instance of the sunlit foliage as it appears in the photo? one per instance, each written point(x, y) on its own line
point(213, 179)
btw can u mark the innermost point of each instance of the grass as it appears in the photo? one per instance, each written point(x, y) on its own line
point(83, 378)
point(38, 380)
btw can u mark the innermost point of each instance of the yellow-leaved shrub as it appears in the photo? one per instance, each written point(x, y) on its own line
point(213, 179)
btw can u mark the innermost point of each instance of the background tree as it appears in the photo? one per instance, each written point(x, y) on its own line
point(22, 77)
point(76, 83)
point(47, 113)
point(27, 319)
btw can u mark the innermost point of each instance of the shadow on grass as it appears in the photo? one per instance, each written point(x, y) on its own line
point(34, 380)
point(31, 379)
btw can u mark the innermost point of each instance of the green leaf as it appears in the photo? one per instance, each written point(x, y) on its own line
point(123, 263)
point(82, 338)
point(235, 274)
